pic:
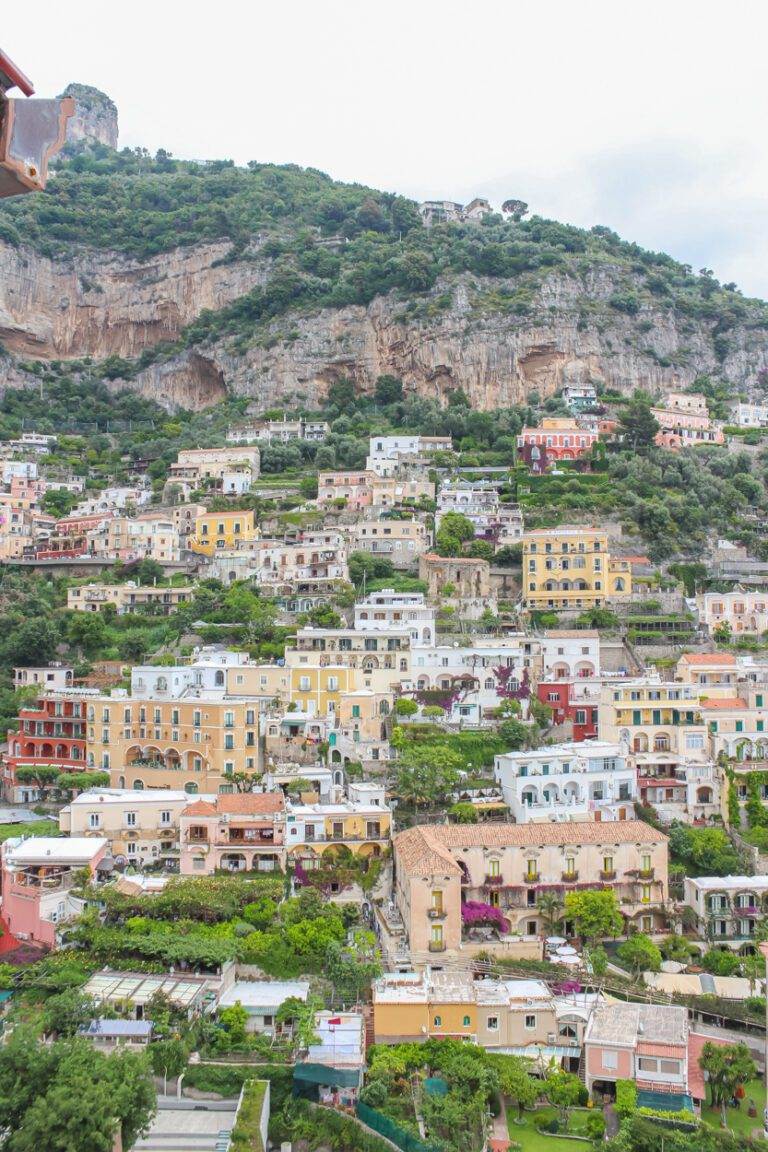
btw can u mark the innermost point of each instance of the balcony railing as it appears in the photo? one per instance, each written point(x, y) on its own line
point(492, 879)
point(532, 878)
point(646, 874)
point(436, 913)
point(607, 875)
point(436, 946)
point(569, 877)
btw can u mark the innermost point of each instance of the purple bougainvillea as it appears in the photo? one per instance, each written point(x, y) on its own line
point(503, 677)
point(474, 913)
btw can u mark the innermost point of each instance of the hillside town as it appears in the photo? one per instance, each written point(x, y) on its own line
point(383, 591)
point(505, 782)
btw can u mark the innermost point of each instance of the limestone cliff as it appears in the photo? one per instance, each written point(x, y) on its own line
point(464, 334)
point(95, 118)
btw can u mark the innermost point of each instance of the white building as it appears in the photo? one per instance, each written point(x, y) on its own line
point(117, 498)
point(586, 780)
point(727, 908)
point(743, 612)
point(749, 415)
point(262, 999)
point(387, 454)
point(19, 469)
point(279, 431)
point(388, 609)
point(477, 677)
point(569, 654)
point(51, 677)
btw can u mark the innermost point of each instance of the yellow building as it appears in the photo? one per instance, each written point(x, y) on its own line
point(315, 833)
point(571, 567)
point(649, 715)
point(215, 531)
point(317, 690)
point(195, 744)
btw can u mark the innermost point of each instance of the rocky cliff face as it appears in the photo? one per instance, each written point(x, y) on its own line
point(101, 304)
point(462, 336)
point(95, 118)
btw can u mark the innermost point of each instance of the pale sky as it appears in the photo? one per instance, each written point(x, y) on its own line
point(648, 118)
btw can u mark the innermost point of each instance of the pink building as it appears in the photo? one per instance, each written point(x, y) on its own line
point(239, 832)
point(685, 427)
point(354, 487)
point(38, 875)
point(649, 1043)
point(554, 440)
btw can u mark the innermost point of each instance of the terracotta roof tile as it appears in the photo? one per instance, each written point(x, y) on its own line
point(729, 704)
point(708, 658)
point(199, 808)
point(428, 847)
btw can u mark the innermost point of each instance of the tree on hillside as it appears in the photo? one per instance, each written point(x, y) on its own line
point(455, 529)
point(595, 913)
point(727, 1066)
point(637, 424)
point(550, 907)
point(41, 776)
point(516, 1082)
point(563, 1090)
point(640, 953)
point(389, 390)
point(515, 208)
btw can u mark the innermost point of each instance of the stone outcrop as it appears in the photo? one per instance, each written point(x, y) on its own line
point(100, 304)
point(95, 118)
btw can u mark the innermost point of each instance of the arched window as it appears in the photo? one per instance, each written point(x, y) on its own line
point(219, 679)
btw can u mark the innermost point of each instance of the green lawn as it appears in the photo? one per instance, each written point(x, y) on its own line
point(532, 1141)
point(33, 828)
point(738, 1120)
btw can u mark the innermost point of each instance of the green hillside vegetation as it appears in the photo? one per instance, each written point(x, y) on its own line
point(141, 206)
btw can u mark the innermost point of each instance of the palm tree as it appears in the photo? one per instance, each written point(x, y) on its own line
point(550, 907)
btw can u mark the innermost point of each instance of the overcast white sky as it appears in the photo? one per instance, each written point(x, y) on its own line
point(648, 118)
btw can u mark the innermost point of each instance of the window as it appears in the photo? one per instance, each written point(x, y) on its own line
point(645, 862)
point(165, 817)
point(493, 867)
point(610, 1059)
point(646, 896)
point(196, 719)
point(229, 719)
point(229, 741)
point(670, 1067)
point(530, 1021)
point(94, 820)
point(304, 683)
point(531, 868)
point(570, 866)
point(466, 1021)
point(130, 819)
point(607, 863)
point(492, 1023)
point(437, 1021)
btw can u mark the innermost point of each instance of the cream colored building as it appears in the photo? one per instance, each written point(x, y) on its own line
point(440, 867)
point(133, 539)
point(650, 715)
point(401, 541)
point(128, 597)
point(141, 827)
point(380, 661)
point(571, 567)
point(500, 1015)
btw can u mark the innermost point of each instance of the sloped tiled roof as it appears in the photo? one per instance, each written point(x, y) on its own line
point(428, 847)
point(708, 658)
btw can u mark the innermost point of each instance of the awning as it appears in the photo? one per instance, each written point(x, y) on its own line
point(541, 1051)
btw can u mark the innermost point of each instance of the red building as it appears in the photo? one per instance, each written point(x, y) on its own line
point(553, 441)
point(50, 732)
point(570, 706)
point(70, 537)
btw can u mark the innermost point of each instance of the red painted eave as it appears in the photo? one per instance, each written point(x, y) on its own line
point(16, 77)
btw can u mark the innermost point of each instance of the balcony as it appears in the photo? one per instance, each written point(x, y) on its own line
point(437, 913)
point(646, 874)
point(436, 946)
point(532, 878)
point(569, 877)
point(607, 876)
point(492, 879)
